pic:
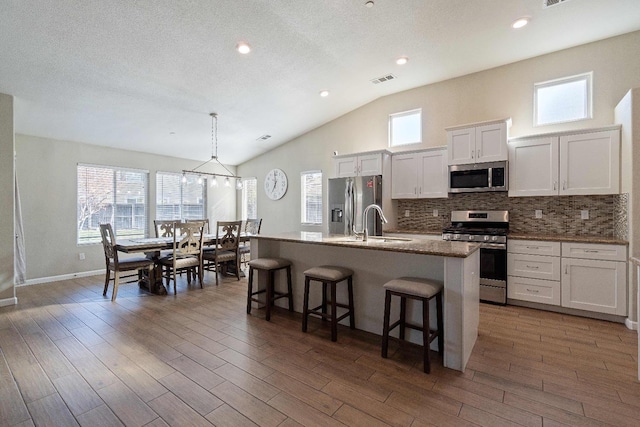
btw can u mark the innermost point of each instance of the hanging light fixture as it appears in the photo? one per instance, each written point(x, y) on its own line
point(214, 156)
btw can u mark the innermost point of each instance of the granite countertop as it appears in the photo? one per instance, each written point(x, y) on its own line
point(427, 232)
point(379, 243)
point(566, 238)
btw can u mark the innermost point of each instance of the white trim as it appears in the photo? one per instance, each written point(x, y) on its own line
point(8, 301)
point(630, 324)
point(61, 277)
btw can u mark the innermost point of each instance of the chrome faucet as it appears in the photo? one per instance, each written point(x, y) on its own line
point(365, 232)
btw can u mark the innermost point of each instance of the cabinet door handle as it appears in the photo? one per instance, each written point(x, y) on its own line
point(472, 153)
point(564, 185)
point(566, 269)
point(535, 291)
point(591, 251)
point(555, 185)
point(478, 154)
point(415, 190)
point(533, 267)
point(533, 247)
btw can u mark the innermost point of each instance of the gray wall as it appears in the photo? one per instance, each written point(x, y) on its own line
point(500, 92)
point(47, 176)
point(7, 236)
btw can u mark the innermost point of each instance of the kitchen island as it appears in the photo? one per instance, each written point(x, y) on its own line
point(379, 260)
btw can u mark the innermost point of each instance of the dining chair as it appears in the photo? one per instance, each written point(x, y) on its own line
point(226, 249)
point(251, 227)
point(186, 253)
point(117, 265)
point(166, 228)
point(205, 221)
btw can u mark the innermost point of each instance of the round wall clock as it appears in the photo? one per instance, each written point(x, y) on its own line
point(275, 184)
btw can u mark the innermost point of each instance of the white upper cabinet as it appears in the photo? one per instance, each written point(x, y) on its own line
point(419, 175)
point(533, 167)
point(359, 165)
point(567, 164)
point(590, 163)
point(483, 142)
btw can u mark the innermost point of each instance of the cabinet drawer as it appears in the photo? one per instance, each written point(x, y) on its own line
point(594, 251)
point(533, 290)
point(533, 247)
point(533, 266)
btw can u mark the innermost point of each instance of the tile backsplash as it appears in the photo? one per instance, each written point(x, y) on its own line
point(560, 214)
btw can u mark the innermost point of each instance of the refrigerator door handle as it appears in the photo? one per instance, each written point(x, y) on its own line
point(348, 202)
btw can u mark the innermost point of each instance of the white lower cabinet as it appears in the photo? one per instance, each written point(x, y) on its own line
point(592, 284)
point(584, 276)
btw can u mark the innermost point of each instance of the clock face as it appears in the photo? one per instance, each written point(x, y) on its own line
point(275, 184)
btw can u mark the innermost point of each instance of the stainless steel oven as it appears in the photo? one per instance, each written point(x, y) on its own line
point(489, 228)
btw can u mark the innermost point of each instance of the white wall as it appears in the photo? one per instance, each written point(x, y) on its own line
point(7, 235)
point(505, 91)
point(47, 171)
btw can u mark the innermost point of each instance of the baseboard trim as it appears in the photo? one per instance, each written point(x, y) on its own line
point(49, 279)
point(8, 301)
point(630, 324)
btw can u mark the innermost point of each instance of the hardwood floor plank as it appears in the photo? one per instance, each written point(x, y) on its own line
point(191, 393)
point(32, 382)
point(281, 364)
point(51, 411)
point(12, 407)
point(248, 405)
point(101, 416)
point(177, 413)
point(257, 387)
point(312, 397)
point(351, 416)
point(77, 394)
point(201, 356)
point(483, 418)
point(197, 373)
point(226, 416)
point(302, 412)
point(126, 405)
point(550, 412)
point(245, 363)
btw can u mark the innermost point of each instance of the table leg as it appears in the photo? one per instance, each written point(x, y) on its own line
point(155, 285)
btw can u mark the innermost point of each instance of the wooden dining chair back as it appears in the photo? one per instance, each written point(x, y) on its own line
point(166, 228)
point(116, 265)
point(205, 221)
point(186, 253)
point(226, 250)
point(251, 228)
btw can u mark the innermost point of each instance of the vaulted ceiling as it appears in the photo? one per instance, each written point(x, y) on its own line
point(144, 75)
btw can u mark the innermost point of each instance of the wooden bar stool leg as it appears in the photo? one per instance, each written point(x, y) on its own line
point(425, 335)
point(403, 313)
point(289, 288)
point(269, 292)
point(305, 305)
point(440, 325)
point(352, 316)
point(250, 290)
point(324, 300)
point(385, 327)
point(334, 313)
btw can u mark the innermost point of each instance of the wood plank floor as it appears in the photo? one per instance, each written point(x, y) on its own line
point(68, 356)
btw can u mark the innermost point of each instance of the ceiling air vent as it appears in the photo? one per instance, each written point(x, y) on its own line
point(549, 3)
point(383, 79)
point(263, 138)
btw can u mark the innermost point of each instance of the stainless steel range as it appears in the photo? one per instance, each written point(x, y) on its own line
point(489, 228)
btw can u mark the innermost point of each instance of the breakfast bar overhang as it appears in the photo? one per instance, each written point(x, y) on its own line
point(379, 260)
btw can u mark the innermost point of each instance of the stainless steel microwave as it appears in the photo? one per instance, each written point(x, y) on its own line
point(479, 177)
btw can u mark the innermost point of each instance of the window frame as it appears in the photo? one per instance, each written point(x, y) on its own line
point(402, 114)
point(303, 198)
point(243, 207)
point(115, 170)
point(181, 209)
point(588, 107)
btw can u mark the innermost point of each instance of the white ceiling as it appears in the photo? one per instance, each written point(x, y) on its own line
point(127, 73)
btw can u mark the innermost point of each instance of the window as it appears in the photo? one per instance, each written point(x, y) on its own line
point(250, 198)
point(311, 185)
point(180, 200)
point(111, 195)
point(405, 128)
point(562, 100)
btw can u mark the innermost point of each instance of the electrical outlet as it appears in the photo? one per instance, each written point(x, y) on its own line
point(538, 213)
point(435, 212)
point(584, 214)
point(407, 213)
point(81, 256)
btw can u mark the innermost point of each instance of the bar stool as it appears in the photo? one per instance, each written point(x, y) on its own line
point(328, 275)
point(417, 289)
point(269, 266)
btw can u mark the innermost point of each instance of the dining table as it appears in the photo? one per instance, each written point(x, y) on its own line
point(152, 248)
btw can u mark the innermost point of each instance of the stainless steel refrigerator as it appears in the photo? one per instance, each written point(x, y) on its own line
point(347, 199)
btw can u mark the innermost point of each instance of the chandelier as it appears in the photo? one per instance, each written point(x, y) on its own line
point(214, 157)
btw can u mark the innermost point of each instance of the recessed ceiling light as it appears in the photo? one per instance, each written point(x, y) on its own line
point(402, 60)
point(243, 48)
point(324, 93)
point(369, 4)
point(520, 22)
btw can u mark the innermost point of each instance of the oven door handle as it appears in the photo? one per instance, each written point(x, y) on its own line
point(493, 246)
